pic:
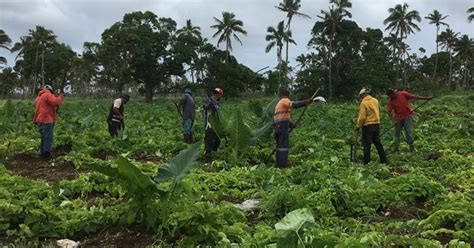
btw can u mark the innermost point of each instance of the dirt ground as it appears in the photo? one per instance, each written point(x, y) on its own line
point(33, 167)
point(119, 236)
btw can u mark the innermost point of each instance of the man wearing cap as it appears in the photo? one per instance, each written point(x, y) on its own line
point(369, 121)
point(115, 119)
point(211, 117)
point(282, 125)
point(46, 105)
point(400, 111)
point(188, 112)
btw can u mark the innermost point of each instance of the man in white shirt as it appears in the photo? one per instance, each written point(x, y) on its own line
point(115, 118)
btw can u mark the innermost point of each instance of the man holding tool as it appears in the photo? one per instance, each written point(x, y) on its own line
point(400, 111)
point(187, 110)
point(283, 125)
point(211, 114)
point(369, 121)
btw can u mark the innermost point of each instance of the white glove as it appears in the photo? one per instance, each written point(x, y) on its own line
point(208, 125)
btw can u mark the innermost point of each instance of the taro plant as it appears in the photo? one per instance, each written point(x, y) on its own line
point(143, 192)
point(291, 227)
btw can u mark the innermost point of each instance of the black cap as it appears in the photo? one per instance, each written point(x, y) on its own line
point(389, 91)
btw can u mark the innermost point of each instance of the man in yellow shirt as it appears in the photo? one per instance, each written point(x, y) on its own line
point(369, 121)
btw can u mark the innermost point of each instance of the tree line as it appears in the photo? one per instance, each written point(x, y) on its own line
point(150, 55)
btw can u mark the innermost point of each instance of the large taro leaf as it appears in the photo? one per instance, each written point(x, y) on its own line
point(133, 174)
point(261, 132)
point(240, 133)
point(106, 170)
point(270, 109)
point(293, 221)
point(180, 165)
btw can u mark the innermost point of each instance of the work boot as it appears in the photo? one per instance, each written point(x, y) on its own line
point(412, 148)
point(46, 156)
point(191, 138)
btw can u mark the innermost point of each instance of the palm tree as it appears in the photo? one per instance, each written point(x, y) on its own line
point(342, 6)
point(464, 49)
point(331, 20)
point(189, 30)
point(227, 28)
point(291, 7)
point(470, 11)
point(402, 22)
point(447, 40)
point(194, 33)
point(437, 19)
point(276, 37)
point(5, 42)
point(43, 38)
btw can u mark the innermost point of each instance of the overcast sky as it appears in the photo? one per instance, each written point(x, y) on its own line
point(77, 21)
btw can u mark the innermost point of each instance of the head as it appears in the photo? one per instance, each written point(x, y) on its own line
point(188, 91)
point(218, 93)
point(363, 93)
point(391, 93)
point(125, 98)
point(284, 93)
point(48, 87)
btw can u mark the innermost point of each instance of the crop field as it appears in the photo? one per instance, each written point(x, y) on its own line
point(148, 188)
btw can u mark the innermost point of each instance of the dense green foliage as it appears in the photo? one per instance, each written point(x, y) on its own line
point(421, 200)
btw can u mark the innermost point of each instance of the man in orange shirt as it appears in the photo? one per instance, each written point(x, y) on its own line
point(369, 121)
point(282, 124)
point(46, 105)
point(399, 109)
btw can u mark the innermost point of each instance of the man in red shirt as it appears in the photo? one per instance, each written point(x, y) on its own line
point(399, 109)
point(46, 104)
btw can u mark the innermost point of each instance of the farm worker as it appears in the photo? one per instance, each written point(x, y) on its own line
point(369, 121)
point(188, 112)
point(282, 125)
point(400, 111)
point(115, 118)
point(46, 105)
point(211, 111)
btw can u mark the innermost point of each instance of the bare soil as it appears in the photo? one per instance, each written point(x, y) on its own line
point(434, 156)
point(103, 155)
point(142, 157)
point(119, 236)
point(419, 210)
point(33, 167)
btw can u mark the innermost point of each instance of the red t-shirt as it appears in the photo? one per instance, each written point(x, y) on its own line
point(401, 105)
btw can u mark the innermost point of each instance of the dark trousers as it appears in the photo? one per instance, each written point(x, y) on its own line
point(211, 141)
point(282, 138)
point(371, 135)
point(46, 132)
point(188, 130)
point(114, 128)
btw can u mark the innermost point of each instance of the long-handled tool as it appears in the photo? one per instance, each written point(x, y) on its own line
point(394, 124)
point(314, 98)
point(353, 155)
point(177, 109)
